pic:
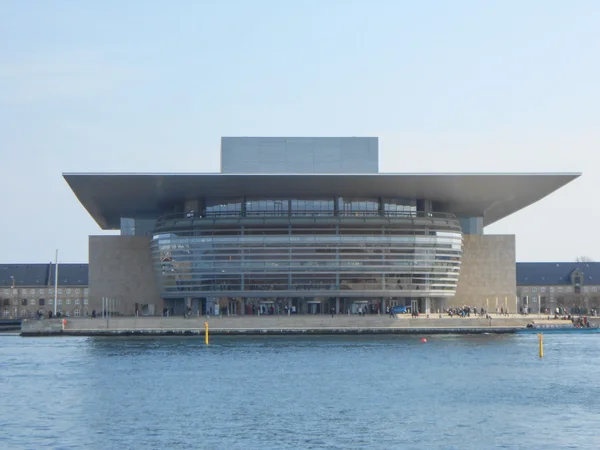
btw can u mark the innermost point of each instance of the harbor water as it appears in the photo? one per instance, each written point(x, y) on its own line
point(379, 392)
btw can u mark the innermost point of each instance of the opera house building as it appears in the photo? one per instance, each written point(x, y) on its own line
point(305, 226)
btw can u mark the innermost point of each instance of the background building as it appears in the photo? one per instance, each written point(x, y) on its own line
point(26, 289)
point(303, 223)
point(570, 285)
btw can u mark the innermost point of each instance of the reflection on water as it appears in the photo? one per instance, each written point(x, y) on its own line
point(459, 392)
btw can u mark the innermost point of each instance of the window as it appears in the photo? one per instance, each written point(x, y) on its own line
point(32, 291)
point(6, 291)
point(323, 207)
point(85, 301)
point(396, 206)
point(50, 301)
point(533, 289)
point(60, 292)
point(51, 291)
point(77, 291)
point(560, 289)
point(24, 302)
point(68, 301)
point(223, 206)
point(76, 313)
point(85, 291)
point(6, 302)
point(526, 289)
point(59, 301)
point(585, 289)
point(551, 289)
point(32, 302)
point(578, 289)
point(68, 291)
point(543, 289)
point(41, 291)
point(358, 206)
point(41, 302)
point(77, 301)
point(272, 207)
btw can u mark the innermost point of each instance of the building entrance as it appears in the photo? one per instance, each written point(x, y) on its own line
point(414, 306)
point(314, 307)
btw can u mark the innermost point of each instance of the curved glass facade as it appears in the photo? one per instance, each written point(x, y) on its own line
point(318, 248)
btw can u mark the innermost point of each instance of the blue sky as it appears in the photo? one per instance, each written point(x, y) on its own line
point(451, 86)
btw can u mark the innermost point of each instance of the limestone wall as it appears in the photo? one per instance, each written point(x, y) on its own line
point(488, 273)
point(121, 268)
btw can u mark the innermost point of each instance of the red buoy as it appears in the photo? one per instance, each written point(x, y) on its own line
point(423, 340)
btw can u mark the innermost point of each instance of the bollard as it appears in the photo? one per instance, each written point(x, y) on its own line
point(206, 333)
point(541, 338)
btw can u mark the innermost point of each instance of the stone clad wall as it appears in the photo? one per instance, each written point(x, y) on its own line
point(488, 271)
point(121, 268)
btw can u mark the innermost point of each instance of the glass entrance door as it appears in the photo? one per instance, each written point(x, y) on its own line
point(414, 306)
point(232, 311)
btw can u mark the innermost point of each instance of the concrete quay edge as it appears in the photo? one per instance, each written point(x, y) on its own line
point(272, 331)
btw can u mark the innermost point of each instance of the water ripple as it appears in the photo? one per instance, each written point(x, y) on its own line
point(352, 392)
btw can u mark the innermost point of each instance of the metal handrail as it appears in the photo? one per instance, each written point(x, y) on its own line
point(191, 216)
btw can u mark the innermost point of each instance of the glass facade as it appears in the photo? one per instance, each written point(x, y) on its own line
point(261, 207)
point(137, 226)
point(224, 206)
point(308, 248)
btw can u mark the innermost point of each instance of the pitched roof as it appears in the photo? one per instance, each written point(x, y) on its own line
point(556, 273)
point(43, 274)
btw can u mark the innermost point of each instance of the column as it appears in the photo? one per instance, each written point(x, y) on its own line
point(242, 271)
point(337, 257)
point(337, 305)
point(289, 258)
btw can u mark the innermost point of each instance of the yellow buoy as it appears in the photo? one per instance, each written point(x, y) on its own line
point(541, 338)
point(206, 333)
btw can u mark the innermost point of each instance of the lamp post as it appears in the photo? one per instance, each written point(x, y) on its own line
point(12, 277)
point(56, 283)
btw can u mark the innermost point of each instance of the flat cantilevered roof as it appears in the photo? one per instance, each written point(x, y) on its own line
point(110, 196)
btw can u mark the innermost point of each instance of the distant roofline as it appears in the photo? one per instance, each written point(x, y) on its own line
point(43, 264)
point(558, 262)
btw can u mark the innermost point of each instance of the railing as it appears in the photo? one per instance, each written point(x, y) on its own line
point(256, 288)
point(189, 217)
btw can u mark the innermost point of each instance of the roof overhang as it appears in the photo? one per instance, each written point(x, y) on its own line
point(110, 196)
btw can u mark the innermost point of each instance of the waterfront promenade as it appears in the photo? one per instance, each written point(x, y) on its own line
point(277, 325)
